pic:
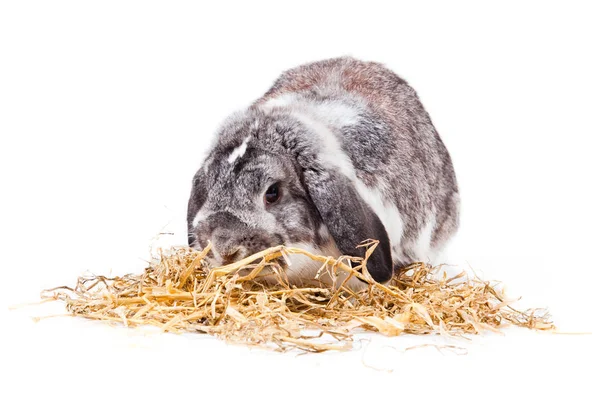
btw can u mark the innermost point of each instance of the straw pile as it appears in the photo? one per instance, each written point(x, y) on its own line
point(179, 292)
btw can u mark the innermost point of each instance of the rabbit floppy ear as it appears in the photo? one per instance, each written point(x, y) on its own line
point(349, 219)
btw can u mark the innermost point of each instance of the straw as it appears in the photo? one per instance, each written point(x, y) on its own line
point(180, 292)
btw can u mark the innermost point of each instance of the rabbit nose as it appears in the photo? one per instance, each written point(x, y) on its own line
point(232, 255)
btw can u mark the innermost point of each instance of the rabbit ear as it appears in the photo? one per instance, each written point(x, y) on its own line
point(349, 219)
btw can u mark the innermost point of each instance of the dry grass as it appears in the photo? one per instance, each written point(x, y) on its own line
point(178, 292)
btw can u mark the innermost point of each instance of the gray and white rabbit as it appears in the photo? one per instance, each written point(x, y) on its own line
point(336, 152)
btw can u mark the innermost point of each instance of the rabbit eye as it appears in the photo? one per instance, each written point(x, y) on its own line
point(272, 194)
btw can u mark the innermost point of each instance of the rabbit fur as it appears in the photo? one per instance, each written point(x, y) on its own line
point(353, 155)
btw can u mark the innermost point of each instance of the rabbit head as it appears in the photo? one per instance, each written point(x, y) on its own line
point(264, 183)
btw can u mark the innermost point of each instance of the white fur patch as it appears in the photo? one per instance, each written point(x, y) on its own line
point(387, 213)
point(279, 101)
point(302, 270)
point(337, 114)
point(422, 247)
point(334, 114)
point(261, 218)
point(239, 151)
point(332, 154)
point(199, 217)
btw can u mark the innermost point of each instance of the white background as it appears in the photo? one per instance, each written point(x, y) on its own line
point(105, 108)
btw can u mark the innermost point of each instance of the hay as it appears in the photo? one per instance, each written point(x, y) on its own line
point(179, 292)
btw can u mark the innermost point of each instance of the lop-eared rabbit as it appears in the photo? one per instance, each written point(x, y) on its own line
point(336, 152)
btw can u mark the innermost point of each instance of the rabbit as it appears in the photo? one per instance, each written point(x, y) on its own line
point(336, 152)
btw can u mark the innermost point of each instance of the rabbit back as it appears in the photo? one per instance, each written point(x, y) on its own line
point(374, 130)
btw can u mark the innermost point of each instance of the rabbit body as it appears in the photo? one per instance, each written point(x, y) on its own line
point(352, 154)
